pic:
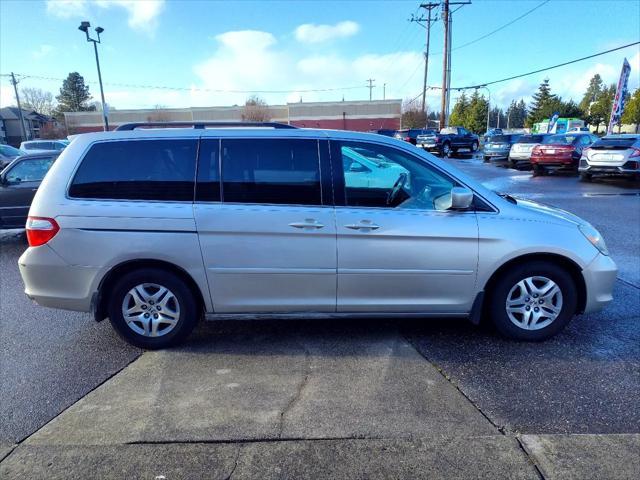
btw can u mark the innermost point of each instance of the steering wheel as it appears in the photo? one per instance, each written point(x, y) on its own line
point(395, 190)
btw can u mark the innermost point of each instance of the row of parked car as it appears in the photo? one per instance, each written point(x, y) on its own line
point(577, 151)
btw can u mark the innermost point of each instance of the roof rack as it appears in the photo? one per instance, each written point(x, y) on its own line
point(200, 125)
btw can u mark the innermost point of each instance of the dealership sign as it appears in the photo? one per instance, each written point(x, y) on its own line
point(621, 93)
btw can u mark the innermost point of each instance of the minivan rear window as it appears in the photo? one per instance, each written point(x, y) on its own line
point(271, 171)
point(137, 170)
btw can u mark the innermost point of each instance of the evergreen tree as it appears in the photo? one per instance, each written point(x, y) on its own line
point(591, 95)
point(74, 95)
point(517, 114)
point(631, 113)
point(601, 108)
point(543, 105)
point(476, 118)
point(459, 112)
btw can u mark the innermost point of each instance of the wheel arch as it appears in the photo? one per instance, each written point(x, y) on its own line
point(569, 265)
point(108, 281)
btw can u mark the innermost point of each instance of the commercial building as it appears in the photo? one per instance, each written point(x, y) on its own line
point(357, 115)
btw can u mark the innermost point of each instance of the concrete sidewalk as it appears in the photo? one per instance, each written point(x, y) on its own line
point(280, 405)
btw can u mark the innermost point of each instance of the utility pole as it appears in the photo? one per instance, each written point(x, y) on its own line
point(384, 91)
point(446, 61)
point(15, 89)
point(428, 21)
point(370, 87)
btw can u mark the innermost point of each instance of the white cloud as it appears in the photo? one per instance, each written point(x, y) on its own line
point(254, 60)
point(42, 51)
point(142, 14)
point(312, 33)
point(67, 8)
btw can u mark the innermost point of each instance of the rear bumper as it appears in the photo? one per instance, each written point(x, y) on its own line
point(606, 169)
point(556, 164)
point(51, 282)
point(599, 278)
point(430, 147)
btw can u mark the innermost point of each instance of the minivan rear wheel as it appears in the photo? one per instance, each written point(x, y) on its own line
point(533, 301)
point(152, 308)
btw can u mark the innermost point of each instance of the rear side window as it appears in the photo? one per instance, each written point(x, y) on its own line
point(272, 171)
point(137, 170)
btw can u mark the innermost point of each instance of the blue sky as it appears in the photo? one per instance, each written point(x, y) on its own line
point(209, 48)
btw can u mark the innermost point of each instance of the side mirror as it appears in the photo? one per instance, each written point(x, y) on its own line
point(461, 198)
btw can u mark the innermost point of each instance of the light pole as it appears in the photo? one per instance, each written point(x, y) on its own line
point(488, 103)
point(84, 26)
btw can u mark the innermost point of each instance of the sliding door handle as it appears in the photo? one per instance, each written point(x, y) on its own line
point(363, 225)
point(308, 224)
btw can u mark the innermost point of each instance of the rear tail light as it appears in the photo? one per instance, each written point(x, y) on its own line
point(630, 165)
point(40, 230)
point(636, 153)
point(407, 139)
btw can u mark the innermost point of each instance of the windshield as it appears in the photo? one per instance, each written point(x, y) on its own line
point(449, 131)
point(9, 151)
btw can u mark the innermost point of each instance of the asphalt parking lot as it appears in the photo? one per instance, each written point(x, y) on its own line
point(302, 398)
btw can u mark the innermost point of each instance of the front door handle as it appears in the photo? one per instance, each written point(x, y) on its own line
point(308, 224)
point(365, 225)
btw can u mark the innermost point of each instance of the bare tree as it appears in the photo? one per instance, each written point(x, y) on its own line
point(256, 110)
point(412, 115)
point(38, 100)
point(159, 115)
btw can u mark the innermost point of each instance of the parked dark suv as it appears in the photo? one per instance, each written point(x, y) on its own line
point(411, 134)
point(18, 184)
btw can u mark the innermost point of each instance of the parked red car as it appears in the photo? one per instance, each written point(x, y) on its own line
point(560, 152)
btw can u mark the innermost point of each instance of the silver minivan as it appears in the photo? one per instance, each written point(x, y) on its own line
point(156, 228)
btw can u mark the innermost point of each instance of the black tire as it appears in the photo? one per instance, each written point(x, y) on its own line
point(497, 298)
point(487, 159)
point(189, 312)
point(538, 171)
point(445, 151)
point(585, 177)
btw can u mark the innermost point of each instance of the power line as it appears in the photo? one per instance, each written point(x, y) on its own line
point(484, 84)
point(503, 26)
point(188, 89)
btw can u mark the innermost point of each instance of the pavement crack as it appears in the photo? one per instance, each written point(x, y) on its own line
point(235, 463)
point(296, 398)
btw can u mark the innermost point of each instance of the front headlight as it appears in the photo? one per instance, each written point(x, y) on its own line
point(594, 237)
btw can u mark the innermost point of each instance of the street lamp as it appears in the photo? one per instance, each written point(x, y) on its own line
point(84, 26)
point(488, 103)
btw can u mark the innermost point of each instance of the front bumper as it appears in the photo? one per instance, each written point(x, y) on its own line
point(52, 282)
point(599, 278)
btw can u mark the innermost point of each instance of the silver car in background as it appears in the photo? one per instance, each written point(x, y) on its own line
point(520, 152)
point(613, 155)
point(156, 228)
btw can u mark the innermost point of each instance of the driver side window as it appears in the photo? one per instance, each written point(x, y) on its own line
point(29, 170)
point(384, 177)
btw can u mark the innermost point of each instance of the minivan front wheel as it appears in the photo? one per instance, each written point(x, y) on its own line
point(152, 308)
point(533, 302)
